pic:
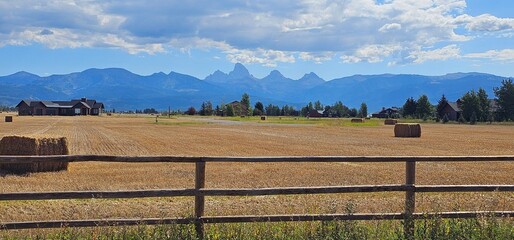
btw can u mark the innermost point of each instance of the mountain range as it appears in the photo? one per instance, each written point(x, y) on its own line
point(123, 90)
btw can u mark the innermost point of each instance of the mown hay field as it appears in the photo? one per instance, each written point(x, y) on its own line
point(119, 135)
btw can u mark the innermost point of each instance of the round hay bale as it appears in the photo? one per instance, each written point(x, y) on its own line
point(390, 122)
point(357, 120)
point(25, 146)
point(407, 130)
point(8, 118)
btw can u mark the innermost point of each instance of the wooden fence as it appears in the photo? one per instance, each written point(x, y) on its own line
point(199, 192)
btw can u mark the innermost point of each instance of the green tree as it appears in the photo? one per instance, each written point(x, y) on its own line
point(483, 102)
point(352, 112)
point(409, 108)
point(318, 105)
point(470, 103)
point(363, 110)
point(206, 109)
point(245, 101)
point(440, 107)
point(339, 109)
point(230, 110)
point(423, 107)
point(473, 118)
point(505, 100)
point(258, 109)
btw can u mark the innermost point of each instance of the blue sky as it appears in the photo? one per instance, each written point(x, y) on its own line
point(328, 37)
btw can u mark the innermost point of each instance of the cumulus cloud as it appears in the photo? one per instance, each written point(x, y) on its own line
point(445, 53)
point(266, 32)
point(371, 53)
point(486, 22)
point(317, 58)
point(495, 55)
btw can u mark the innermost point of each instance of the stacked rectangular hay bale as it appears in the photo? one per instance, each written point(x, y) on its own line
point(26, 146)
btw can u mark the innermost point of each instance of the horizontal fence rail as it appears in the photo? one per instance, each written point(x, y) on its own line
point(188, 159)
point(200, 192)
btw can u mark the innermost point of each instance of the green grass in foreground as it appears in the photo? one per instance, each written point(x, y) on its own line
point(480, 228)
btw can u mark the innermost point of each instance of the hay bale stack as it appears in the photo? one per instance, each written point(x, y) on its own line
point(23, 146)
point(357, 120)
point(8, 118)
point(407, 130)
point(390, 122)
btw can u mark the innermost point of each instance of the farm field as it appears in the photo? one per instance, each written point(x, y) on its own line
point(123, 135)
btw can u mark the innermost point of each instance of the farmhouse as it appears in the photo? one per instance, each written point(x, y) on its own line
point(81, 106)
point(238, 107)
point(315, 113)
point(386, 113)
point(453, 110)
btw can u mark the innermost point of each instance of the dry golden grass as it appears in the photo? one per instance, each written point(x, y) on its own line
point(185, 137)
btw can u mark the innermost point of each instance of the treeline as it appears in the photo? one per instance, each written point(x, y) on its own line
point(476, 106)
point(7, 109)
point(244, 108)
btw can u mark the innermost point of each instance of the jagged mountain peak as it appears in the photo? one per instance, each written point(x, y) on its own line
point(312, 78)
point(239, 72)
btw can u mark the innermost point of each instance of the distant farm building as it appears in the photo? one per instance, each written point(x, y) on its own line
point(453, 110)
point(391, 112)
point(315, 113)
point(239, 108)
point(81, 106)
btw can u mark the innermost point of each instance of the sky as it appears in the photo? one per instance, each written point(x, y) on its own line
point(329, 37)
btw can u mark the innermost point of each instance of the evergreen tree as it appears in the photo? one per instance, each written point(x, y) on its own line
point(461, 119)
point(230, 110)
point(483, 105)
point(409, 108)
point(363, 111)
point(318, 106)
point(245, 101)
point(473, 118)
point(423, 107)
point(352, 112)
point(505, 100)
point(259, 106)
point(206, 109)
point(440, 107)
point(470, 103)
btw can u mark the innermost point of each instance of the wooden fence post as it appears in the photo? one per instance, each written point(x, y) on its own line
point(410, 199)
point(199, 200)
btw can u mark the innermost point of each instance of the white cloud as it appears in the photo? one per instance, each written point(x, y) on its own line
point(390, 27)
point(265, 32)
point(496, 55)
point(268, 58)
point(317, 58)
point(485, 22)
point(445, 53)
point(371, 53)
